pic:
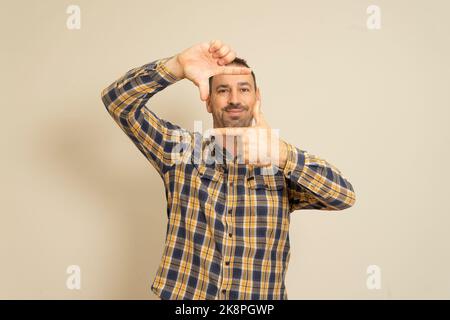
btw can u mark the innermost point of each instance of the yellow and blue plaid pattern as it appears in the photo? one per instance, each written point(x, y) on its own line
point(228, 223)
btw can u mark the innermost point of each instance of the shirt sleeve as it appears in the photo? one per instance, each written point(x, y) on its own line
point(314, 183)
point(125, 101)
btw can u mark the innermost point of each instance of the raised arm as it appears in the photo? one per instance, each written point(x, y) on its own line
point(125, 98)
point(125, 101)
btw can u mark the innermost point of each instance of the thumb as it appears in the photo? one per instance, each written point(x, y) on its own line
point(257, 112)
point(204, 89)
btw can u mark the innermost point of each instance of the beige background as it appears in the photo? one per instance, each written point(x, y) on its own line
point(375, 103)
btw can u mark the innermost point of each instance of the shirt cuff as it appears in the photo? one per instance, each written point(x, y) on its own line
point(165, 72)
point(295, 162)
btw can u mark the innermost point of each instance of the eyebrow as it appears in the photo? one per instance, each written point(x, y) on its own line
point(244, 83)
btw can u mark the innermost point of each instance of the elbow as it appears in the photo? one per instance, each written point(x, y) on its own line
point(109, 98)
point(350, 201)
point(104, 97)
point(347, 198)
point(341, 198)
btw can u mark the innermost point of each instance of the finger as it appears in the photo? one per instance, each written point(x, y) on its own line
point(228, 131)
point(230, 56)
point(252, 153)
point(234, 131)
point(240, 150)
point(214, 45)
point(245, 149)
point(248, 150)
point(257, 112)
point(233, 70)
point(221, 52)
point(204, 90)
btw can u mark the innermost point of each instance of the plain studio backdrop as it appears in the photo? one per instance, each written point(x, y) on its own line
point(375, 103)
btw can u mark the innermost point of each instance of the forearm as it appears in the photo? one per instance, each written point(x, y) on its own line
point(315, 183)
point(126, 98)
point(174, 67)
point(131, 91)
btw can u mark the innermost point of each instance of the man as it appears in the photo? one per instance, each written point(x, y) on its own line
point(228, 229)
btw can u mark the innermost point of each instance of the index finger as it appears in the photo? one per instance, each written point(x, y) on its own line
point(214, 45)
point(228, 131)
point(234, 70)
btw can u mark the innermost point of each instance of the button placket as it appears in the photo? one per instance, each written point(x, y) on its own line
point(226, 271)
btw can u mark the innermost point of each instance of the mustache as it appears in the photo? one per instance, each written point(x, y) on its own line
point(234, 107)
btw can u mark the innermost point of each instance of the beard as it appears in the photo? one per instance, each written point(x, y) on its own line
point(242, 122)
point(235, 119)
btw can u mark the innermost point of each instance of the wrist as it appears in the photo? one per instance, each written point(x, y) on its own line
point(283, 154)
point(173, 65)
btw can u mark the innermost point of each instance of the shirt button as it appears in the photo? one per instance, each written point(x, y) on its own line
point(230, 234)
point(230, 211)
point(224, 291)
point(227, 263)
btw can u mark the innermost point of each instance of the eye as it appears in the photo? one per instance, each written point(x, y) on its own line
point(245, 89)
point(221, 90)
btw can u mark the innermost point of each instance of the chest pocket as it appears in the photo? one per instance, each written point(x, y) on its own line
point(266, 213)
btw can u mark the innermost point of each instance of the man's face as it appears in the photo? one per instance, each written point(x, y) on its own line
point(231, 100)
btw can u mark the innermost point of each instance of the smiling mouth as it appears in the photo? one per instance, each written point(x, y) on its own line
point(235, 111)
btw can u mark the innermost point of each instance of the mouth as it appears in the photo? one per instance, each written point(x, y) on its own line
point(235, 111)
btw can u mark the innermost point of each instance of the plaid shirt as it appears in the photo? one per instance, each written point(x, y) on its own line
point(228, 223)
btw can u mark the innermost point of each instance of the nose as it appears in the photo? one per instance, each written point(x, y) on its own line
point(233, 98)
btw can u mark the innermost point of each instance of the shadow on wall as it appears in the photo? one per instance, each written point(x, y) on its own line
point(90, 152)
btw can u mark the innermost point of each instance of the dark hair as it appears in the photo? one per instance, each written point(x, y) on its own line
point(239, 62)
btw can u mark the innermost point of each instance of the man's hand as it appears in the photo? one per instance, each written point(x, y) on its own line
point(202, 61)
point(258, 145)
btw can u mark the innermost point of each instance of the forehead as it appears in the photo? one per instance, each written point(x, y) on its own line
point(232, 80)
